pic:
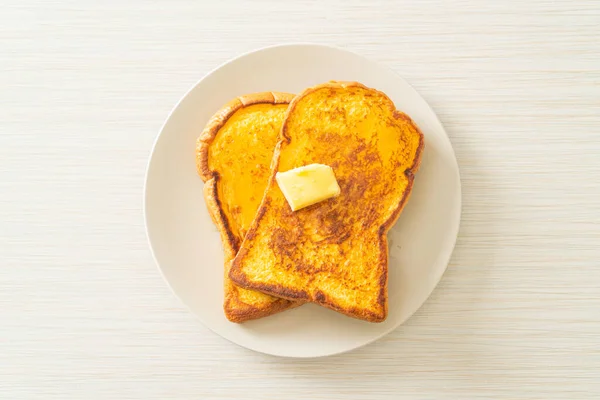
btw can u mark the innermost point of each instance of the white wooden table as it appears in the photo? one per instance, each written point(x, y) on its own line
point(84, 89)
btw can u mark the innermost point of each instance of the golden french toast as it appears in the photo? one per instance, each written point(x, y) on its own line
point(233, 157)
point(335, 252)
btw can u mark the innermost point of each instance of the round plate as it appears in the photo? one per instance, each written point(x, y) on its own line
point(187, 246)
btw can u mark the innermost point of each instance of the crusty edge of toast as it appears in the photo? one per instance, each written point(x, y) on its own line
point(235, 310)
point(239, 277)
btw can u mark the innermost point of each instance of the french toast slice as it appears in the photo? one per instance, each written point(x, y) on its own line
point(334, 253)
point(233, 157)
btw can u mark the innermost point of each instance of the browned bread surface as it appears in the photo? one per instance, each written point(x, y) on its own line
point(334, 253)
point(233, 156)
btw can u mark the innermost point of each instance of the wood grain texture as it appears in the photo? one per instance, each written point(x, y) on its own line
point(84, 89)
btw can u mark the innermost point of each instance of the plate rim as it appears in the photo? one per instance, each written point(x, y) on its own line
point(456, 222)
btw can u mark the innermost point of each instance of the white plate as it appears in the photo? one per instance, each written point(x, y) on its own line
point(187, 247)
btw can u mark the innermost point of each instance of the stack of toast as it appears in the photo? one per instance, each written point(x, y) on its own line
point(333, 253)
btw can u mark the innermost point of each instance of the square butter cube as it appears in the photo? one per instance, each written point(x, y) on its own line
point(307, 185)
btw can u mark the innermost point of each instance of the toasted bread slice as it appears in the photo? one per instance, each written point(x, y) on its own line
point(334, 253)
point(233, 156)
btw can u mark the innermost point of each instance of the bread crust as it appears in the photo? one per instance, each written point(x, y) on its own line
point(235, 309)
point(239, 277)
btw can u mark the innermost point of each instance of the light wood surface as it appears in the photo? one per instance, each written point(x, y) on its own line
point(84, 89)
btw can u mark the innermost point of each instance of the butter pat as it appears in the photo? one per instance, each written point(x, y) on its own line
point(307, 185)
